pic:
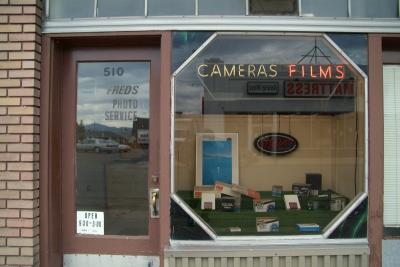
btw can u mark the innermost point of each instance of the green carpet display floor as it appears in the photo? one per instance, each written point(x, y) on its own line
point(222, 221)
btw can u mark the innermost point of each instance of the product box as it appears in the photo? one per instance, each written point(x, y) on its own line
point(277, 190)
point(230, 203)
point(226, 189)
point(308, 227)
point(208, 200)
point(246, 191)
point(264, 205)
point(302, 190)
point(267, 224)
point(235, 229)
point(198, 190)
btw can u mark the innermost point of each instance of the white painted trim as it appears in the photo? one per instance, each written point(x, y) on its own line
point(224, 23)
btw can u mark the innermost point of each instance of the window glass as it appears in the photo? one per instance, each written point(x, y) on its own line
point(112, 155)
point(114, 8)
point(273, 7)
point(171, 7)
point(374, 9)
point(224, 7)
point(324, 8)
point(268, 135)
point(71, 8)
point(391, 211)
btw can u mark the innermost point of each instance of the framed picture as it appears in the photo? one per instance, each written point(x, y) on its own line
point(217, 158)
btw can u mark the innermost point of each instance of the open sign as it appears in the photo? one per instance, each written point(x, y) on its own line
point(276, 143)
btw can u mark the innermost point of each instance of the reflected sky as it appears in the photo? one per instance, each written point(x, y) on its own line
point(256, 49)
point(107, 88)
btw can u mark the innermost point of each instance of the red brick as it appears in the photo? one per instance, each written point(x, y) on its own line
point(2, 164)
point(2, 224)
point(30, 251)
point(3, 74)
point(9, 194)
point(3, 186)
point(23, 185)
point(32, 10)
point(9, 232)
point(3, 110)
point(2, 259)
point(9, 176)
point(3, 129)
point(3, 203)
point(9, 157)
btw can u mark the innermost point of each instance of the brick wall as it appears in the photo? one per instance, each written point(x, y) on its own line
point(19, 131)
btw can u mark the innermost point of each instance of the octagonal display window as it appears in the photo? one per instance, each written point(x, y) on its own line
point(269, 136)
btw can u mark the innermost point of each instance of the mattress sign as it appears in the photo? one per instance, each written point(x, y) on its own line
point(276, 143)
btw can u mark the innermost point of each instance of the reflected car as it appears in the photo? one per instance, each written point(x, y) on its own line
point(98, 145)
point(124, 148)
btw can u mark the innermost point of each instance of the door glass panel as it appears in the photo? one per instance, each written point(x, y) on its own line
point(112, 148)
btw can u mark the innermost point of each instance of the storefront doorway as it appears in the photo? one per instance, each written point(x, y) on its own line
point(108, 147)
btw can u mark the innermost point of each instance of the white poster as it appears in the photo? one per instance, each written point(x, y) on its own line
point(90, 222)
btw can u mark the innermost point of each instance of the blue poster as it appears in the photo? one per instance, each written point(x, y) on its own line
point(217, 161)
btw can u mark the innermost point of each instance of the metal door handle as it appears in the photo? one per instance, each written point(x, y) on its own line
point(155, 203)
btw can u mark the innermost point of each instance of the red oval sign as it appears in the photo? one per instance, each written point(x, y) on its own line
point(276, 143)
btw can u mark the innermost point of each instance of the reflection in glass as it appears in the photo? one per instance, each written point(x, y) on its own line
point(273, 7)
point(374, 9)
point(112, 140)
point(117, 8)
point(324, 8)
point(171, 7)
point(224, 7)
point(71, 8)
point(251, 85)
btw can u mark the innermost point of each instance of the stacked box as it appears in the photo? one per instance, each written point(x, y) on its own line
point(264, 205)
point(267, 224)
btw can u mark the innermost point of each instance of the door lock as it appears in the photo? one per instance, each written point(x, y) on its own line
point(154, 203)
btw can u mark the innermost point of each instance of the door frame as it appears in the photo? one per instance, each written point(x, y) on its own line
point(53, 47)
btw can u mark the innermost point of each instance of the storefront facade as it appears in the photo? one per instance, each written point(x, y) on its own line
point(193, 135)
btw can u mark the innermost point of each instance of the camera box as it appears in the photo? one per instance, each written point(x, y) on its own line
point(226, 189)
point(302, 190)
point(277, 190)
point(308, 227)
point(267, 224)
point(264, 205)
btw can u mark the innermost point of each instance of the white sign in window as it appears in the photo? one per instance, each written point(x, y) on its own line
point(90, 222)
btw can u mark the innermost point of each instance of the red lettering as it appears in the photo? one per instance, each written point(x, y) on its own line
point(340, 71)
point(290, 90)
point(292, 69)
point(327, 73)
point(312, 72)
point(298, 88)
